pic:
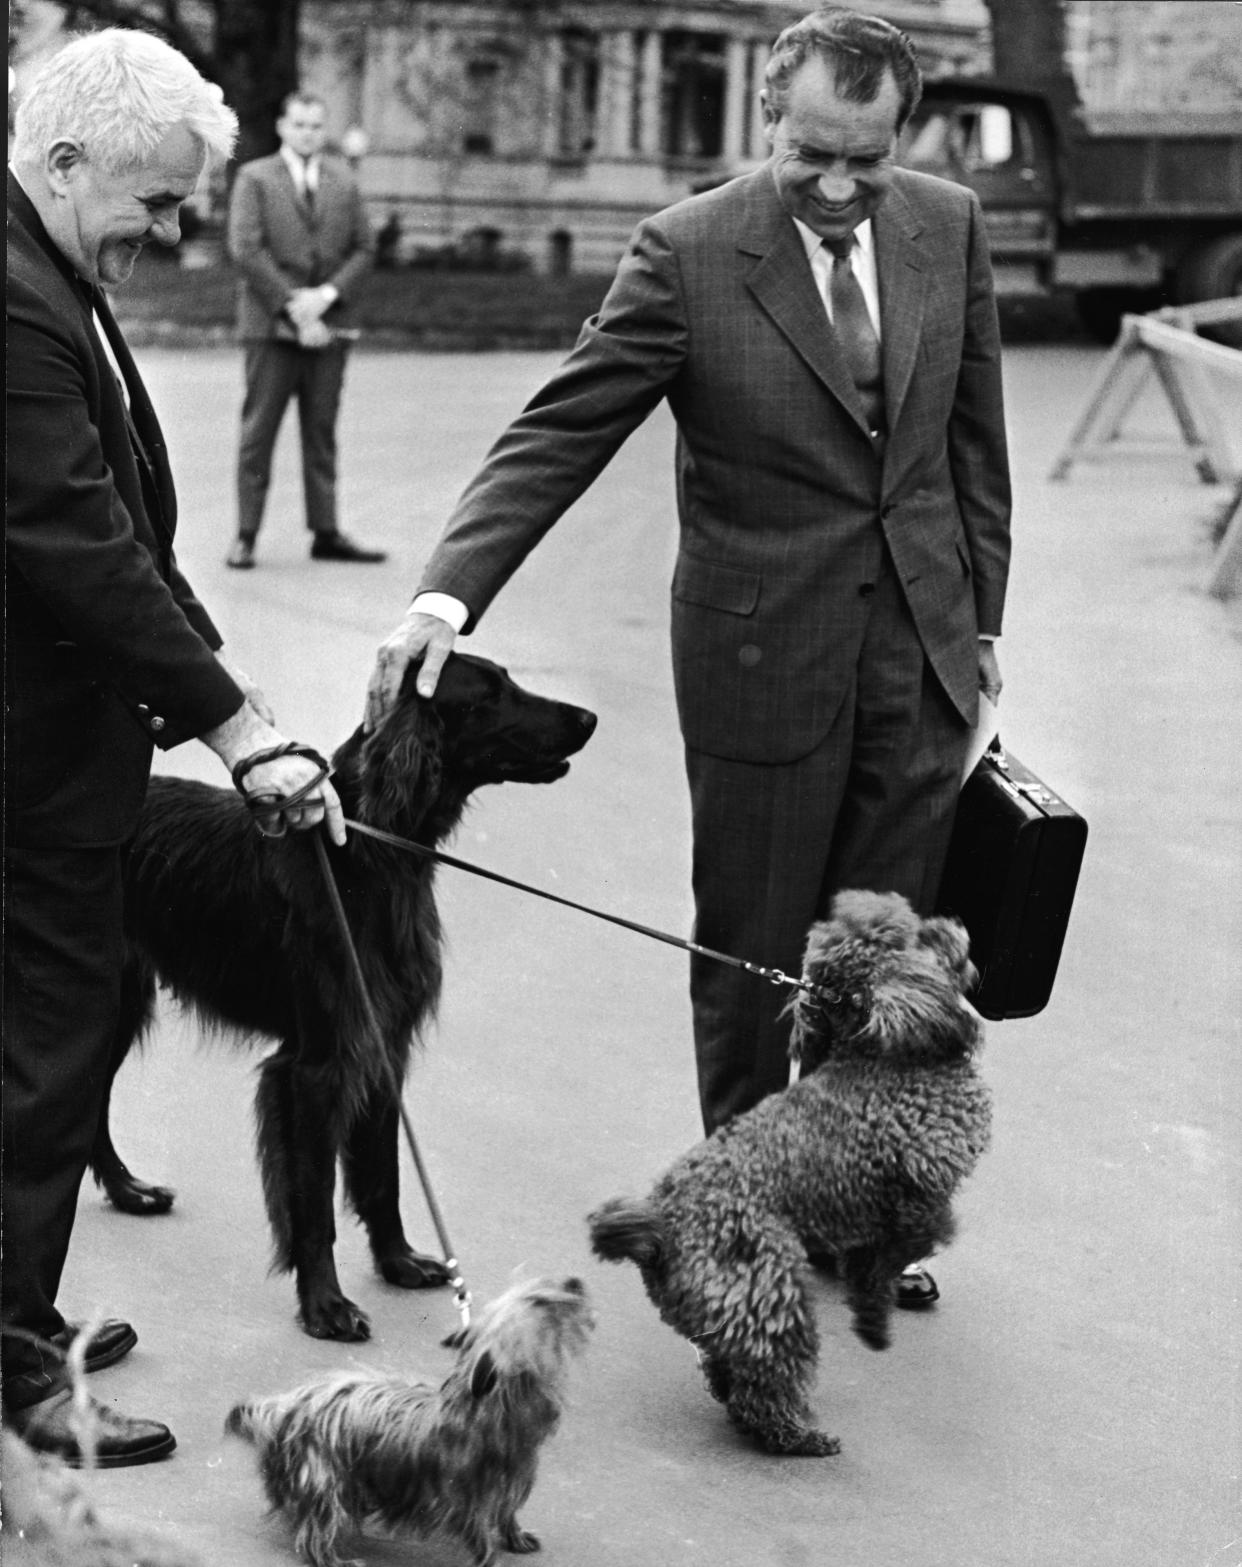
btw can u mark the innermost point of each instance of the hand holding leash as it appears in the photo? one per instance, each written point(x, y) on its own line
point(289, 781)
point(275, 809)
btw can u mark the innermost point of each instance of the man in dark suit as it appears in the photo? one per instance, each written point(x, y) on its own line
point(108, 653)
point(300, 239)
point(824, 330)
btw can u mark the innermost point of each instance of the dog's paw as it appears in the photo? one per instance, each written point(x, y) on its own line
point(875, 1335)
point(132, 1195)
point(411, 1270)
point(520, 1541)
point(807, 1443)
point(336, 1318)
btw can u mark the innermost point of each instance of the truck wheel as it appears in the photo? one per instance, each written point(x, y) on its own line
point(1214, 271)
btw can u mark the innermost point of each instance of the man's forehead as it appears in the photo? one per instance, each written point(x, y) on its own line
point(814, 102)
point(173, 169)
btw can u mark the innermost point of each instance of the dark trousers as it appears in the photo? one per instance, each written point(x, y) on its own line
point(276, 372)
point(62, 971)
point(871, 807)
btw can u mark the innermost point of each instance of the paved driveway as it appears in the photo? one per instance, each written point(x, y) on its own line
point(1074, 1400)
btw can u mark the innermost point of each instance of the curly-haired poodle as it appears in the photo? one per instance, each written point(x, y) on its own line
point(860, 1158)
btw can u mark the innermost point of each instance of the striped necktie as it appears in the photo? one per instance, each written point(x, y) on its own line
point(851, 321)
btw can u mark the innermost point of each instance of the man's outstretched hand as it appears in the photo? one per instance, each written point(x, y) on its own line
point(418, 636)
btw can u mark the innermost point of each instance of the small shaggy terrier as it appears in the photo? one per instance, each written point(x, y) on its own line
point(859, 1160)
point(457, 1460)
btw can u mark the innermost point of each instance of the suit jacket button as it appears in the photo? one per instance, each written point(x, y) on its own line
point(157, 723)
point(748, 655)
point(143, 709)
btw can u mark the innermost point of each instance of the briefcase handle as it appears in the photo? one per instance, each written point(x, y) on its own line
point(1032, 789)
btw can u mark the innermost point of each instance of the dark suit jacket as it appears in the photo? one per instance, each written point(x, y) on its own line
point(784, 508)
point(107, 649)
point(277, 244)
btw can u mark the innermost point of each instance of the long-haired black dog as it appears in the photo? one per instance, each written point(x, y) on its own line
point(240, 927)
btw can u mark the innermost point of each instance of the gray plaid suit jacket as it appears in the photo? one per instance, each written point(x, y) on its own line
point(784, 508)
point(277, 244)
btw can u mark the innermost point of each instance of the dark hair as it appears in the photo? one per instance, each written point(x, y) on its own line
point(859, 48)
point(309, 100)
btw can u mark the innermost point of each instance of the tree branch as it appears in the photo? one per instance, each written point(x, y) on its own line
point(139, 13)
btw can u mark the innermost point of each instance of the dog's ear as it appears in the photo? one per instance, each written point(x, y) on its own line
point(837, 964)
point(948, 939)
point(402, 764)
point(917, 1012)
point(484, 1376)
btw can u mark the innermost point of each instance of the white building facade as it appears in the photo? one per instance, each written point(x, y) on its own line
point(543, 131)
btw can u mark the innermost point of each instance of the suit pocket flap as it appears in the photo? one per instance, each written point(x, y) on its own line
point(717, 587)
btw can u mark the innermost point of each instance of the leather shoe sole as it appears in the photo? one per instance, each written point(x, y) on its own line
point(119, 1442)
point(110, 1342)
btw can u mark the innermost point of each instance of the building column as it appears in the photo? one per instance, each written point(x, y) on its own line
point(758, 63)
point(617, 67)
point(553, 109)
point(650, 85)
point(735, 106)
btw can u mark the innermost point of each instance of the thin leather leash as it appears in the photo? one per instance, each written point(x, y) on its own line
point(267, 806)
point(775, 976)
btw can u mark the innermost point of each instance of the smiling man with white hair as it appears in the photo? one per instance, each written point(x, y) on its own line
point(108, 654)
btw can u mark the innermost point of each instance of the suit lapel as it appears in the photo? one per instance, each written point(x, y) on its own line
point(148, 442)
point(781, 280)
point(903, 295)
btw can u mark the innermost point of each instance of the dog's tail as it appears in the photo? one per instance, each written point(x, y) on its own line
point(627, 1228)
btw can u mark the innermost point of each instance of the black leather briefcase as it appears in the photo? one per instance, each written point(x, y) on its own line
point(1012, 868)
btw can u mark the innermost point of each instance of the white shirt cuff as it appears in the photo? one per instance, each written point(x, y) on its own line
point(443, 605)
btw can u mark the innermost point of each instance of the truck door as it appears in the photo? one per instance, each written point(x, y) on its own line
point(1003, 152)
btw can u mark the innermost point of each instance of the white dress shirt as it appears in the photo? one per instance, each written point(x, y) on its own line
point(305, 171)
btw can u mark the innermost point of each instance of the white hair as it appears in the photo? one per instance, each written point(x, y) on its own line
point(119, 92)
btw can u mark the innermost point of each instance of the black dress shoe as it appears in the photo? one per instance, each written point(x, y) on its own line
point(241, 556)
point(110, 1342)
point(117, 1441)
point(338, 546)
point(916, 1289)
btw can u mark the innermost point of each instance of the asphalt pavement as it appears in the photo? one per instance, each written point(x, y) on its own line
point(1074, 1399)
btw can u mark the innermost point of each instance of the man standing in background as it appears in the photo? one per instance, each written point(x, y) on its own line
point(299, 236)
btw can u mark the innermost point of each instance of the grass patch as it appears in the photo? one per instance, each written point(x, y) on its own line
point(407, 308)
point(454, 311)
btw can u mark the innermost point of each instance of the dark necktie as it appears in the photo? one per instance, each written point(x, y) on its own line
point(851, 322)
point(308, 195)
